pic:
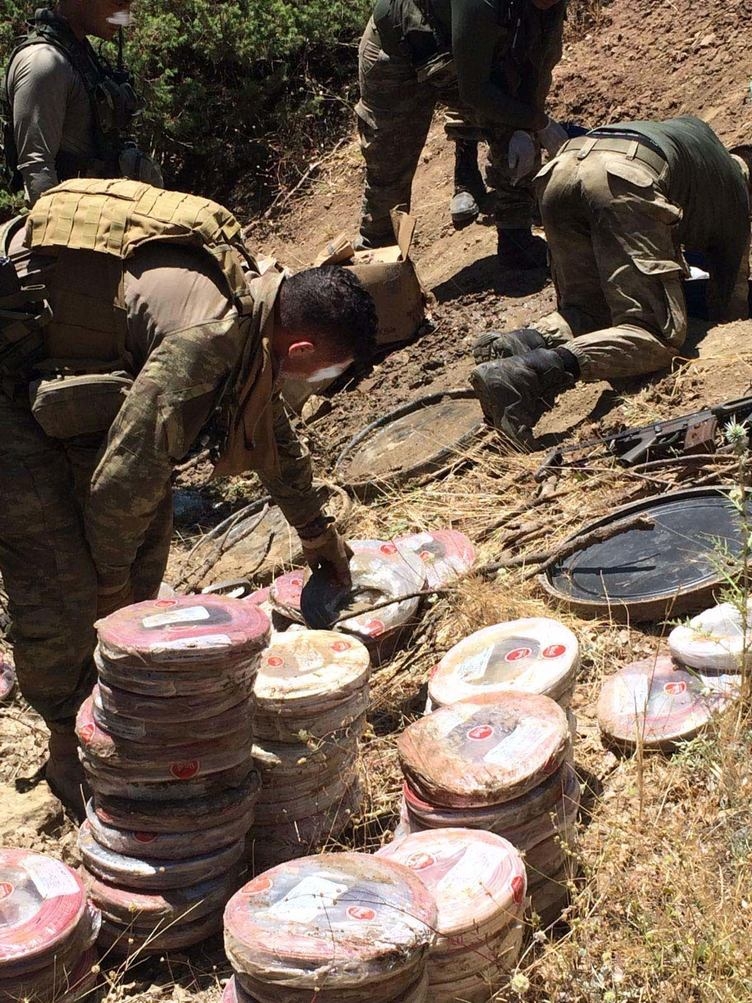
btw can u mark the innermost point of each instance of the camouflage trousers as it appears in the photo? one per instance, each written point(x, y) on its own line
point(394, 116)
point(616, 264)
point(45, 561)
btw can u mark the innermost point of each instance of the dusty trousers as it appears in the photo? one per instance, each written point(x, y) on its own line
point(616, 264)
point(394, 116)
point(46, 564)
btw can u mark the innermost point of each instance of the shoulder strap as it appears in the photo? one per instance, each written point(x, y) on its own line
point(116, 217)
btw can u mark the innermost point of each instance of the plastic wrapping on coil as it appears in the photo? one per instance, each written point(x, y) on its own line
point(348, 925)
point(484, 752)
point(446, 554)
point(714, 641)
point(534, 655)
point(656, 703)
point(47, 922)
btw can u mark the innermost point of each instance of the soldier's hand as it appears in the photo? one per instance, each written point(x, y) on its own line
point(330, 552)
point(523, 154)
point(552, 137)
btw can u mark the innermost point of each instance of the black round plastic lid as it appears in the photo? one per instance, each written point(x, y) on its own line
point(415, 438)
point(678, 555)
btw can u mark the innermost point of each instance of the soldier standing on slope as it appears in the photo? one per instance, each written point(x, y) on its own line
point(68, 112)
point(491, 62)
point(134, 324)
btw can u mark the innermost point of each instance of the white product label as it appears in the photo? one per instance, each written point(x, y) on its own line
point(194, 614)
point(457, 716)
point(473, 669)
point(526, 737)
point(185, 643)
point(307, 899)
point(52, 880)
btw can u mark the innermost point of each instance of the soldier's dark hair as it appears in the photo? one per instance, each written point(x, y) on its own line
point(332, 302)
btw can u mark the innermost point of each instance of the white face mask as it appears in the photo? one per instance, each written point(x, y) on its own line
point(121, 19)
point(328, 372)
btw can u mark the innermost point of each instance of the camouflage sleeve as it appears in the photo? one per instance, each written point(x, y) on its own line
point(164, 412)
point(476, 37)
point(552, 49)
point(39, 83)
point(292, 490)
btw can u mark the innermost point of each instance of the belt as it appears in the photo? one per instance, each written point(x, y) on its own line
point(634, 149)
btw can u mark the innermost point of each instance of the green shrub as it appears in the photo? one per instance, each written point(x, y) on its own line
point(238, 92)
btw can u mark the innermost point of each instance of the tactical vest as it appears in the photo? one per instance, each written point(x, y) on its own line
point(113, 101)
point(85, 334)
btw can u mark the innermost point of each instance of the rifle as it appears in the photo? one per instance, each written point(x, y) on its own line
point(693, 432)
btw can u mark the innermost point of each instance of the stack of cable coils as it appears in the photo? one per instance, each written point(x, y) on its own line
point(311, 700)
point(166, 740)
point(534, 655)
point(479, 883)
point(47, 931)
point(655, 703)
point(501, 763)
point(335, 927)
point(380, 608)
point(446, 554)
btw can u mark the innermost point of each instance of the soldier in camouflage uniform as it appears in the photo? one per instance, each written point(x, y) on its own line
point(69, 114)
point(618, 206)
point(165, 355)
point(491, 61)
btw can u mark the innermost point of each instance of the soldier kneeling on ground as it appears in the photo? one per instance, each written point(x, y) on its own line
point(135, 325)
point(618, 205)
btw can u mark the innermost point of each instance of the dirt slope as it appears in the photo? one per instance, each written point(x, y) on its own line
point(642, 59)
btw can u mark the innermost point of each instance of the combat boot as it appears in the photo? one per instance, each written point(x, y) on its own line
point(497, 345)
point(65, 774)
point(515, 392)
point(469, 189)
point(519, 248)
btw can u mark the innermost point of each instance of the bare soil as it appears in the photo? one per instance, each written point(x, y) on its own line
point(664, 915)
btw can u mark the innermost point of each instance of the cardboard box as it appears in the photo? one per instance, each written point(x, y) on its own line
point(390, 277)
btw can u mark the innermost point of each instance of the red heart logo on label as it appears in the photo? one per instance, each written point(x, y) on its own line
point(375, 627)
point(144, 837)
point(6, 889)
point(674, 689)
point(481, 732)
point(360, 912)
point(275, 661)
point(554, 651)
point(340, 646)
point(184, 771)
point(518, 653)
point(426, 555)
point(388, 548)
point(518, 889)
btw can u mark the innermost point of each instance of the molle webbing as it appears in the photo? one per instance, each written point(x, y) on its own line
point(117, 217)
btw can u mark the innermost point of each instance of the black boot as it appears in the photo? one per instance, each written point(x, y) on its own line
point(515, 392)
point(496, 345)
point(519, 248)
point(469, 189)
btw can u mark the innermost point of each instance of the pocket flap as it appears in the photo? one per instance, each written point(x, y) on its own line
point(657, 266)
point(630, 171)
